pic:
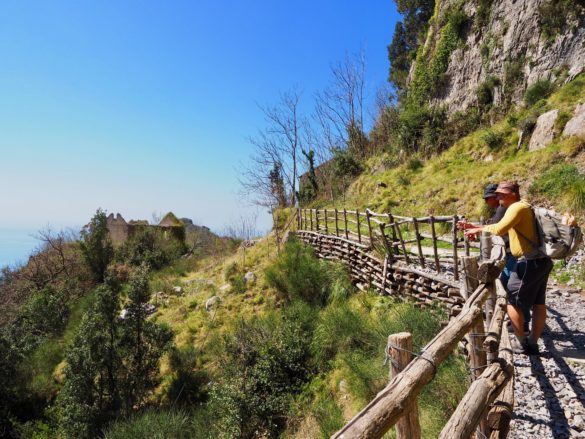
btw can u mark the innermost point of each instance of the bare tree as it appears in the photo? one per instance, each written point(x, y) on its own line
point(339, 109)
point(270, 178)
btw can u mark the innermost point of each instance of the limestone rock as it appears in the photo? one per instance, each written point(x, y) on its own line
point(225, 288)
point(544, 131)
point(211, 302)
point(512, 34)
point(177, 290)
point(576, 125)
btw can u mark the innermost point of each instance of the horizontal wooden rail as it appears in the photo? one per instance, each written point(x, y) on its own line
point(387, 407)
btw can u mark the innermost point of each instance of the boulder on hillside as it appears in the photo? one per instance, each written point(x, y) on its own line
point(210, 303)
point(544, 131)
point(576, 125)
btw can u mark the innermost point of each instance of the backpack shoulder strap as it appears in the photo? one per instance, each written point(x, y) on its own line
point(535, 246)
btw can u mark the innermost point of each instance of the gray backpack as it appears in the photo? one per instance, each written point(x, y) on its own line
point(555, 239)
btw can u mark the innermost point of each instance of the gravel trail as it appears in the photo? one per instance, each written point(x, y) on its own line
point(550, 388)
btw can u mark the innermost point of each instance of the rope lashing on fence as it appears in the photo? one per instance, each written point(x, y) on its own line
point(416, 354)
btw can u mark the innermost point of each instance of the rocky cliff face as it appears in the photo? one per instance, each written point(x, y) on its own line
point(511, 46)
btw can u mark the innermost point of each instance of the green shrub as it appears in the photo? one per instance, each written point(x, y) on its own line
point(189, 383)
point(230, 271)
point(563, 183)
point(267, 362)
point(340, 284)
point(539, 90)
point(485, 91)
point(458, 126)
point(527, 123)
point(420, 129)
point(562, 119)
point(163, 424)
point(482, 14)
point(328, 414)
point(414, 164)
point(429, 72)
point(345, 164)
point(513, 77)
point(152, 246)
point(298, 274)
point(493, 139)
point(554, 15)
point(238, 284)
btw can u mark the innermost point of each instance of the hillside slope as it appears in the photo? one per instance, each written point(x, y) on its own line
point(452, 182)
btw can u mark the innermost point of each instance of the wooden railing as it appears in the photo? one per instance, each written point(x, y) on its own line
point(476, 305)
point(398, 237)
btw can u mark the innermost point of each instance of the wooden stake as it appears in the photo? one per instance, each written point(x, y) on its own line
point(317, 219)
point(455, 261)
point(311, 216)
point(385, 269)
point(345, 223)
point(418, 239)
point(434, 237)
point(399, 233)
point(369, 227)
point(399, 350)
point(336, 224)
point(325, 219)
point(357, 217)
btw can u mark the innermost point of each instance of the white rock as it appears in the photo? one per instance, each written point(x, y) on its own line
point(209, 304)
point(225, 288)
point(576, 125)
point(544, 131)
point(177, 290)
point(249, 277)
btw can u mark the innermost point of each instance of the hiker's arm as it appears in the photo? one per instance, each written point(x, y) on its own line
point(509, 220)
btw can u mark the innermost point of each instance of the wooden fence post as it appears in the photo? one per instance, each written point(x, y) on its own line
point(399, 350)
point(370, 227)
point(476, 336)
point(317, 220)
point(336, 224)
point(325, 220)
point(418, 244)
point(434, 235)
point(311, 217)
point(455, 260)
point(357, 218)
point(345, 223)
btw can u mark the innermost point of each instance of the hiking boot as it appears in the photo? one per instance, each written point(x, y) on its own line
point(519, 348)
point(532, 347)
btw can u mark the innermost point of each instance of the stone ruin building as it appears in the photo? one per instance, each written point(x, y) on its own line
point(120, 229)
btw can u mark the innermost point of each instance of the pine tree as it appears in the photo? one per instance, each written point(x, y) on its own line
point(96, 245)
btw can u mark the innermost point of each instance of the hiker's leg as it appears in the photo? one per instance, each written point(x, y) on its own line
point(543, 268)
point(515, 309)
point(517, 318)
point(538, 321)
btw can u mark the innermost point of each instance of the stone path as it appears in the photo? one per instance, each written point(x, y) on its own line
point(550, 388)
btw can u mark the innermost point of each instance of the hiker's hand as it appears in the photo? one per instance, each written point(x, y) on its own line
point(463, 224)
point(472, 231)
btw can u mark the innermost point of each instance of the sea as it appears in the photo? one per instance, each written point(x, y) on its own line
point(16, 245)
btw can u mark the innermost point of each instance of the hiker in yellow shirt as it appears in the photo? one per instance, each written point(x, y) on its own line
point(527, 284)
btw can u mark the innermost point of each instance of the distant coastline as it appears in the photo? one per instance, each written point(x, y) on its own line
point(16, 245)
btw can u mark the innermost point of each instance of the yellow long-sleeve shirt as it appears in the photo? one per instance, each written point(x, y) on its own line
point(518, 217)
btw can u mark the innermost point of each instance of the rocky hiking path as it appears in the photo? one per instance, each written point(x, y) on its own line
point(550, 388)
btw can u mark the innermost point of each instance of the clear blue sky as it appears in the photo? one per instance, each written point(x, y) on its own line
point(143, 106)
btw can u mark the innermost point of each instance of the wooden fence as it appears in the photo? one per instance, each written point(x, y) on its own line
point(374, 247)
